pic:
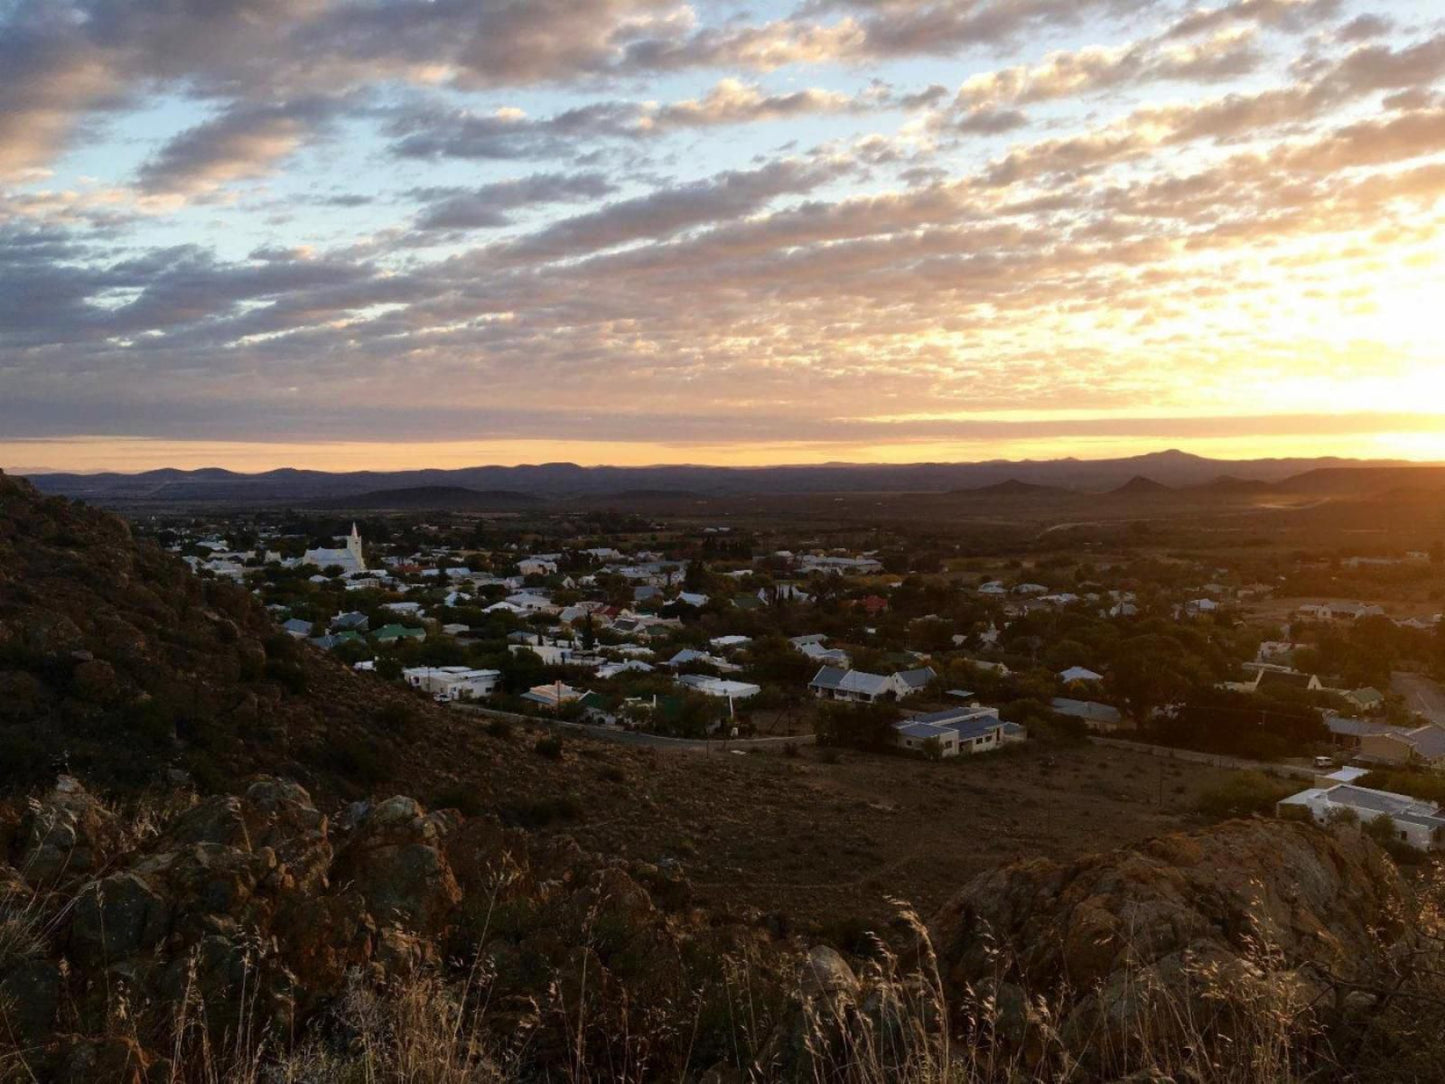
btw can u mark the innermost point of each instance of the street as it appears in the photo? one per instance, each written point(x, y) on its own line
point(1421, 694)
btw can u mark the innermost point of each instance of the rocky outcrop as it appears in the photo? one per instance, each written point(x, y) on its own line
point(252, 912)
point(1249, 910)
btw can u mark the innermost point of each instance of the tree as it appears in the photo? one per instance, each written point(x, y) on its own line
point(857, 726)
point(1149, 672)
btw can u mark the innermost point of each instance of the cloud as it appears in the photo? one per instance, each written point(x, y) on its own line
point(245, 143)
point(494, 205)
point(668, 211)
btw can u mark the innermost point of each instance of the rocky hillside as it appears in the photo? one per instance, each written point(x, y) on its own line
point(250, 936)
point(121, 667)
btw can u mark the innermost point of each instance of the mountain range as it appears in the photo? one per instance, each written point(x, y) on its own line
point(560, 481)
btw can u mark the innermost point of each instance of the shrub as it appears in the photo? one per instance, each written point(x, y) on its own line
point(499, 728)
point(549, 746)
point(542, 811)
point(1244, 793)
point(461, 798)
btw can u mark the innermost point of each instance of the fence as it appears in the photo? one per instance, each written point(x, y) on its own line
point(639, 737)
point(1168, 752)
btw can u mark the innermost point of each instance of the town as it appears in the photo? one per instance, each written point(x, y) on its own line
point(760, 639)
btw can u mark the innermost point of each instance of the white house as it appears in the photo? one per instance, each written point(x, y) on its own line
point(453, 682)
point(859, 686)
point(719, 687)
point(1079, 674)
point(1416, 822)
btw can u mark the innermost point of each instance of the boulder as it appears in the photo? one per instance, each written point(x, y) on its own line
point(396, 861)
point(1237, 911)
point(67, 837)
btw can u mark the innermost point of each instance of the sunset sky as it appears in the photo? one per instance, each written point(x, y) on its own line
point(400, 233)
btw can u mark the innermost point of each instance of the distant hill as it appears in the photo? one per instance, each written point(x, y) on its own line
point(1140, 486)
point(1364, 481)
point(563, 481)
point(450, 498)
point(1229, 485)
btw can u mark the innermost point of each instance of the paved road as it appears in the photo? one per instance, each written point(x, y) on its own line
point(1422, 695)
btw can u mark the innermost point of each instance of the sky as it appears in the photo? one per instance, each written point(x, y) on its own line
point(381, 234)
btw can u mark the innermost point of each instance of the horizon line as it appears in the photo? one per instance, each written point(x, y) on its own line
point(1397, 460)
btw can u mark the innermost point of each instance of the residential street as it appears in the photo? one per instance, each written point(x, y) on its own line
point(1422, 695)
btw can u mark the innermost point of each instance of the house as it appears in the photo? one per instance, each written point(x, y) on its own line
point(688, 656)
point(556, 694)
point(728, 643)
point(1095, 716)
point(1274, 679)
point(1340, 775)
point(989, 667)
point(859, 686)
point(1416, 822)
point(354, 621)
point(406, 609)
point(297, 628)
point(333, 640)
point(1079, 674)
point(528, 602)
point(1275, 651)
point(612, 669)
point(915, 681)
point(536, 566)
point(551, 652)
point(453, 682)
point(1366, 699)
point(959, 731)
point(390, 634)
point(827, 656)
point(349, 558)
point(873, 605)
point(1349, 732)
point(1424, 745)
point(862, 566)
point(719, 687)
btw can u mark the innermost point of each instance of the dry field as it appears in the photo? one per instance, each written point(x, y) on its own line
point(823, 841)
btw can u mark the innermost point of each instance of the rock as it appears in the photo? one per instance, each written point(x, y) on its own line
point(1174, 919)
point(68, 836)
point(76, 1059)
point(117, 918)
point(827, 975)
point(396, 862)
point(94, 680)
point(30, 994)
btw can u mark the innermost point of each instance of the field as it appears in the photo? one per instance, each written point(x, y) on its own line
point(818, 836)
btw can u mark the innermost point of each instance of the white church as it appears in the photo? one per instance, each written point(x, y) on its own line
point(350, 559)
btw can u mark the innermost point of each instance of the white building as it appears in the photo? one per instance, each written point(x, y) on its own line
point(349, 558)
point(453, 682)
point(1418, 823)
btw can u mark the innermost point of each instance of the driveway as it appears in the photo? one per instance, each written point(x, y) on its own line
point(1422, 695)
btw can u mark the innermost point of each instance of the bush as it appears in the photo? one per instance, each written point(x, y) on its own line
point(461, 798)
point(1244, 793)
point(549, 746)
point(542, 812)
point(499, 728)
